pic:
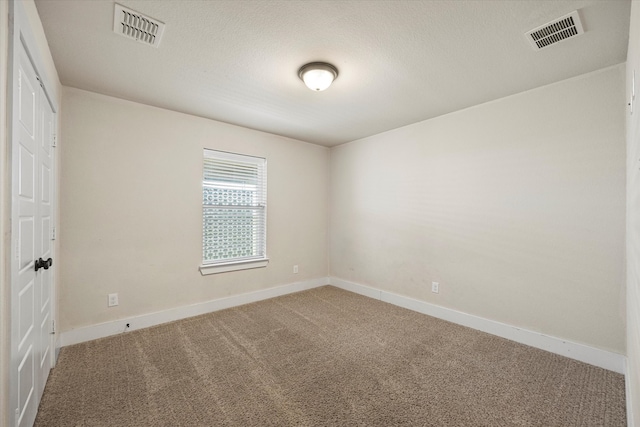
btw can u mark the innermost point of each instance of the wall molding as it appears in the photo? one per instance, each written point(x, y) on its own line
point(101, 330)
point(627, 389)
point(591, 355)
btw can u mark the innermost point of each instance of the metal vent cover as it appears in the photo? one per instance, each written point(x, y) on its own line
point(556, 31)
point(136, 26)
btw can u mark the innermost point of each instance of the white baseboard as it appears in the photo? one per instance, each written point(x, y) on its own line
point(591, 355)
point(594, 356)
point(630, 402)
point(115, 327)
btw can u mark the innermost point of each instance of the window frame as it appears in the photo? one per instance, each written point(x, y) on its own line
point(223, 266)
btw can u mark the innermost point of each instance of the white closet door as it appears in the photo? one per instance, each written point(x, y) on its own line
point(32, 191)
point(25, 198)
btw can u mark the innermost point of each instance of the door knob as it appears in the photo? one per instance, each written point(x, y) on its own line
point(40, 263)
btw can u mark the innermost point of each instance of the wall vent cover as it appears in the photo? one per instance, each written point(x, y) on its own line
point(136, 26)
point(556, 31)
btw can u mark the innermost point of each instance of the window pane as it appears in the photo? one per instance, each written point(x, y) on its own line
point(234, 210)
point(232, 233)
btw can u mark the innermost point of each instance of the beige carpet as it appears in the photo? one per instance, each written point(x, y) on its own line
point(324, 357)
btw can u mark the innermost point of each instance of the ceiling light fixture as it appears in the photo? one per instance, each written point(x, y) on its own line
point(318, 75)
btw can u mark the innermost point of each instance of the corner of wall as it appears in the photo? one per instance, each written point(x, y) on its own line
point(633, 227)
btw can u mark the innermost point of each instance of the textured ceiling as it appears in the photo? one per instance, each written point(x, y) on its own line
point(400, 62)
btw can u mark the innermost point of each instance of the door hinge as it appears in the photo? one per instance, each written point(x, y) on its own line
point(17, 249)
point(53, 327)
point(55, 140)
point(53, 233)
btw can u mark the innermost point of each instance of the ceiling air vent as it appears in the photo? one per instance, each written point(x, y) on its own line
point(136, 26)
point(553, 32)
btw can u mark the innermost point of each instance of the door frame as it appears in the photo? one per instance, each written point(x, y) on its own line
point(21, 35)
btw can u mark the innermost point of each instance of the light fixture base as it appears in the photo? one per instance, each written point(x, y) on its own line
point(318, 75)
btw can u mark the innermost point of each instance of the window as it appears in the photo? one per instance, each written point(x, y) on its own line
point(234, 212)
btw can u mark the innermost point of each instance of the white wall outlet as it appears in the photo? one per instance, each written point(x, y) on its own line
point(435, 287)
point(295, 269)
point(113, 300)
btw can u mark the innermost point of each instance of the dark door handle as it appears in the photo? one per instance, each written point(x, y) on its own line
point(40, 263)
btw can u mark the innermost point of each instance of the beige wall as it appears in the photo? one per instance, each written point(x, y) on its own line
point(633, 222)
point(47, 70)
point(131, 208)
point(516, 207)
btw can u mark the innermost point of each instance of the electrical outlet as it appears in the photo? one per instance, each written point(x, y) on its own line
point(435, 287)
point(295, 269)
point(113, 300)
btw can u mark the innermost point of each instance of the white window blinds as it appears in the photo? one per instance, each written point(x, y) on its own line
point(234, 207)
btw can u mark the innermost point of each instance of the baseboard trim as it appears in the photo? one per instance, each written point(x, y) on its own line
point(89, 333)
point(591, 355)
point(627, 385)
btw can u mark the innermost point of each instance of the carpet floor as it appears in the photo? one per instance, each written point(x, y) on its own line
point(324, 357)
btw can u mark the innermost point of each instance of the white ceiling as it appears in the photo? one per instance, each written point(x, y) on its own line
point(400, 62)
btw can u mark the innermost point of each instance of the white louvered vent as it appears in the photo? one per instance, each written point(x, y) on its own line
point(556, 31)
point(136, 26)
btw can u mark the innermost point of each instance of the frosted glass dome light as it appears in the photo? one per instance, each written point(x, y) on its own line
point(318, 75)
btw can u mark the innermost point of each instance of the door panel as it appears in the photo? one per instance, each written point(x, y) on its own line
point(26, 163)
point(43, 245)
point(32, 215)
point(45, 187)
point(27, 98)
point(26, 234)
point(28, 91)
point(25, 308)
point(26, 401)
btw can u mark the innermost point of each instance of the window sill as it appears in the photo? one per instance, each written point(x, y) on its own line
point(207, 269)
